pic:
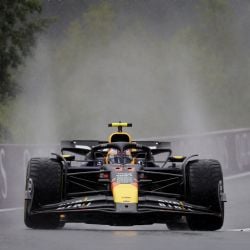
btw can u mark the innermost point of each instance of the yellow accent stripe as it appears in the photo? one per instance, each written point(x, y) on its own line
point(66, 156)
point(178, 157)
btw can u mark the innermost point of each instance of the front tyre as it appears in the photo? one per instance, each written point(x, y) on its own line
point(205, 188)
point(46, 177)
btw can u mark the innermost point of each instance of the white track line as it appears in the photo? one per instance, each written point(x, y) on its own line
point(239, 230)
point(10, 209)
point(237, 176)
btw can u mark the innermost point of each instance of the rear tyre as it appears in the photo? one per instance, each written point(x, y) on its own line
point(205, 185)
point(46, 177)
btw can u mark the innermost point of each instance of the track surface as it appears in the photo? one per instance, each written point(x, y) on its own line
point(15, 236)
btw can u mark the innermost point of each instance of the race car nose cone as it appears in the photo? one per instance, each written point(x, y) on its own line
point(125, 193)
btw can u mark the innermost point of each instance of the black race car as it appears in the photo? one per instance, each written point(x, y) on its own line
point(122, 182)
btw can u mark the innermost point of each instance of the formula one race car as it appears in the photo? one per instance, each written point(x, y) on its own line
point(120, 182)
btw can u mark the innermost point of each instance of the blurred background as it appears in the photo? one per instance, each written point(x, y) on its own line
point(171, 67)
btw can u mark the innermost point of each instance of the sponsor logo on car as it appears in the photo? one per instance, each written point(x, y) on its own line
point(177, 205)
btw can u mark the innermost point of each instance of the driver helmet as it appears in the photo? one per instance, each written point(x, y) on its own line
point(116, 157)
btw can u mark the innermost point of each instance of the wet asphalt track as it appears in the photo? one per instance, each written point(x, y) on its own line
point(15, 236)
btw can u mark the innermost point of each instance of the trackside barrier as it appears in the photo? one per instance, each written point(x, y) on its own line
point(13, 163)
point(231, 148)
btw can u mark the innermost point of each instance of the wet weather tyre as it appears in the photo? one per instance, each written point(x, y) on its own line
point(46, 177)
point(205, 185)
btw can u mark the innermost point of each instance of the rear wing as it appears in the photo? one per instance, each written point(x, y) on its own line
point(154, 144)
point(81, 147)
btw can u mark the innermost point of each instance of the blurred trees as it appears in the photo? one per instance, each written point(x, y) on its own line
point(216, 64)
point(84, 35)
point(18, 26)
point(75, 63)
point(19, 22)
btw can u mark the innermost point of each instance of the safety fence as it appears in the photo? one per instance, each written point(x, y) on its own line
point(231, 148)
point(13, 163)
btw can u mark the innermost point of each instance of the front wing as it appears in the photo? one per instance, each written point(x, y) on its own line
point(101, 209)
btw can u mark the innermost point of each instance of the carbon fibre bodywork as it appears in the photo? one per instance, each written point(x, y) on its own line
point(144, 191)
